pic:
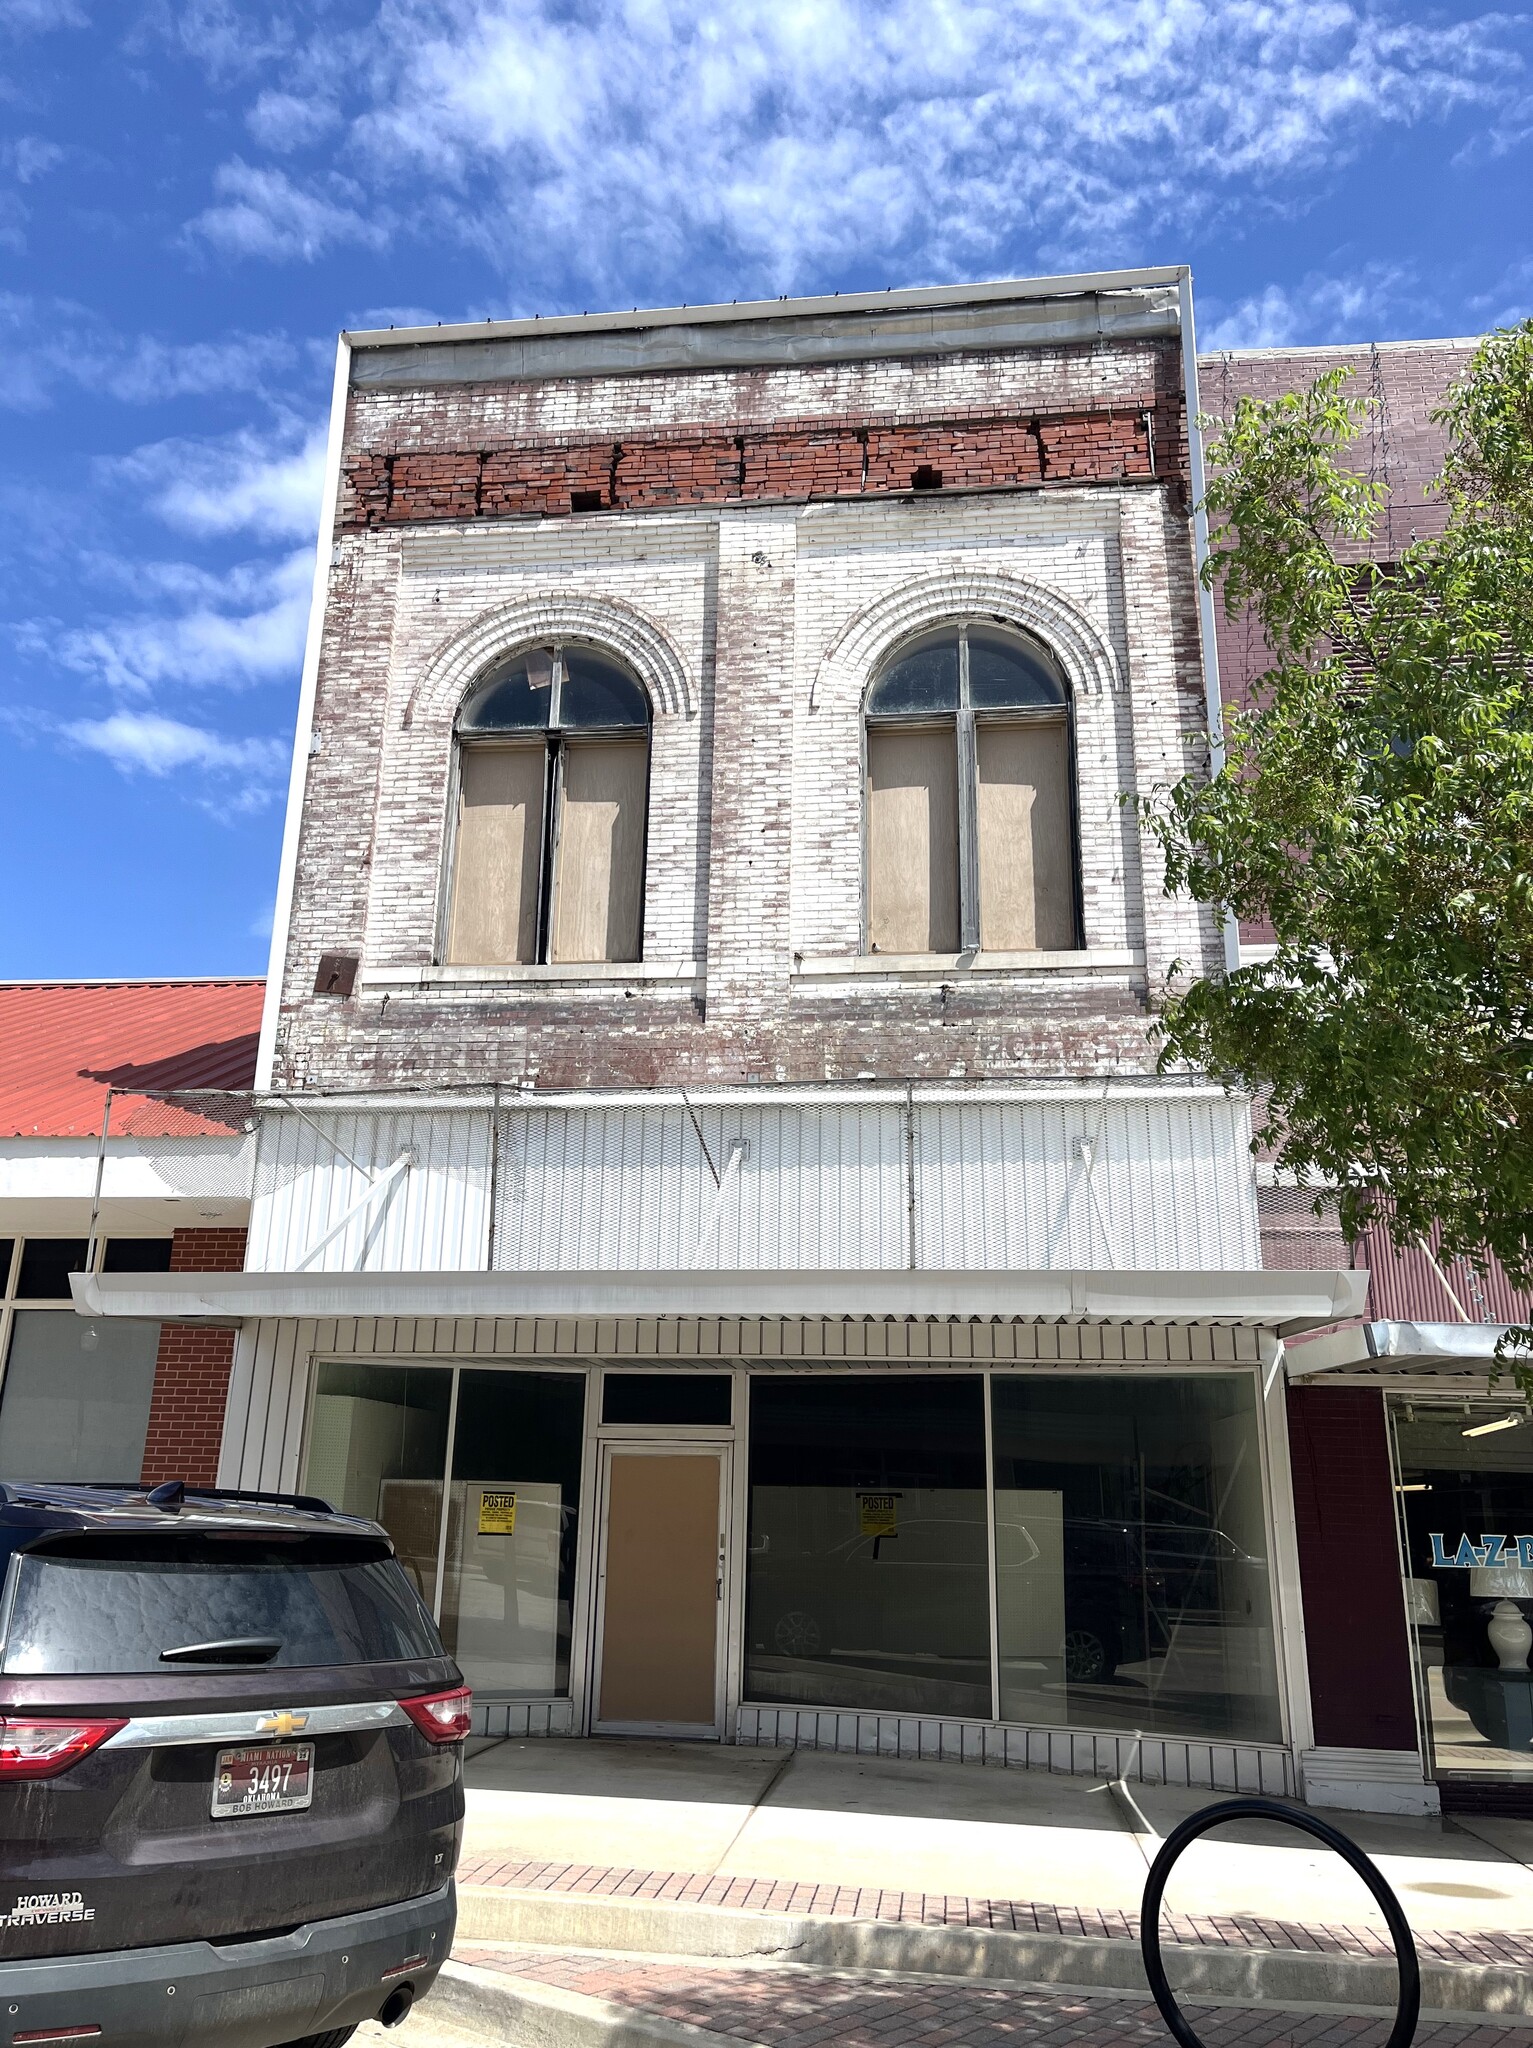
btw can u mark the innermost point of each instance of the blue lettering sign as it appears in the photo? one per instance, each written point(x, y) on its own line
point(1492, 1553)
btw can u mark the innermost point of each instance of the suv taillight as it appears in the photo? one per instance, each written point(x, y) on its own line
point(42, 1749)
point(441, 1716)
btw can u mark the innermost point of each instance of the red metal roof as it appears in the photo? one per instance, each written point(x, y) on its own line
point(63, 1044)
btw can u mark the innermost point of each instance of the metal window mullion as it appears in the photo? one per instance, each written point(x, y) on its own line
point(447, 1464)
point(994, 1570)
point(968, 810)
point(553, 819)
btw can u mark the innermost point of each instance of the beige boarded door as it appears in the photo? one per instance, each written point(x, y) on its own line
point(659, 1596)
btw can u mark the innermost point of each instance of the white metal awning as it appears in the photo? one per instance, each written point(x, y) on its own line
point(1285, 1302)
point(1382, 1349)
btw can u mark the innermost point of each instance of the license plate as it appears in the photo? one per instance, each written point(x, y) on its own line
point(273, 1777)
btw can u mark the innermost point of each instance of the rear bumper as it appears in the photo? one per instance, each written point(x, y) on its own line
point(331, 1973)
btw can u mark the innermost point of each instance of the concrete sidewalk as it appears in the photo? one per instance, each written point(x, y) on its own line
point(669, 1895)
point(964, 1831)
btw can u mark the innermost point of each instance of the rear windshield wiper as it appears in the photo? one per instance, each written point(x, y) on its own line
point(228, 1650)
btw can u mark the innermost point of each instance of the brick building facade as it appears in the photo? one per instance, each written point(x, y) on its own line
point(710, 1139)
point(105, 1165)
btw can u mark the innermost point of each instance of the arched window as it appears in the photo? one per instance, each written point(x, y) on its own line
point(970, 800)
point(552, 785)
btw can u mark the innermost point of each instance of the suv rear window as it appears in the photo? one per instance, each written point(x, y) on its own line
point(120, 1603)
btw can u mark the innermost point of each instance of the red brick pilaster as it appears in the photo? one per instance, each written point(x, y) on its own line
point(191, 1372)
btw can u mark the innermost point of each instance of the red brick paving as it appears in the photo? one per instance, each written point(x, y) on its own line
point(784, 2008)
point(1017, 1916)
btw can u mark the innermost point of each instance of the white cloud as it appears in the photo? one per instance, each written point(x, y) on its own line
point(1510, 299)
point(48, 344)
point(247, 482)
point(265, 213)
point(284, 120)
point(41, 14)
point(29, 157)
point(1361, 306)
point(147, 743)
point(230, 37)
point(630, 143)
point(244, 628)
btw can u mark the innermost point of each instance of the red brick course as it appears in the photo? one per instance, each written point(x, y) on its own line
point(208, 1251)
point(792, 2008)
point(794, 461)
point(1011, 1916)
point(191, 1372)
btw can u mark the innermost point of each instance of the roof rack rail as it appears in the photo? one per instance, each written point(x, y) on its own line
point(314, 1502)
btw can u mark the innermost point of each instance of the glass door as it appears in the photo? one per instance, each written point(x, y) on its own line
point(1464, 1484)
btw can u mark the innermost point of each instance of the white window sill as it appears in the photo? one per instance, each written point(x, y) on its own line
point(960, 966)
point(588, 974)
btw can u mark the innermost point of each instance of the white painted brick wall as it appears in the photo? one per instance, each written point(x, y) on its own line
point(756, 630)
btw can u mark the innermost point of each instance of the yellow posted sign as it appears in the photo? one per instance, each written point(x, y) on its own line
point(497, 1513)
point(875, 1514)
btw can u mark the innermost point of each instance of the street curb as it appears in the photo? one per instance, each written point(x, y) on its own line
point(491, 2006)
point(577, 1920)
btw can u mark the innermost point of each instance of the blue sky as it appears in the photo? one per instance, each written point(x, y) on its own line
point(195, 197)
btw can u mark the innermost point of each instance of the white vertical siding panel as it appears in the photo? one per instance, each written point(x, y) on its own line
point(433, 1218)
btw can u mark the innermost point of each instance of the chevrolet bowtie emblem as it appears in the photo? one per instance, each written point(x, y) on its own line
point(284, 1723)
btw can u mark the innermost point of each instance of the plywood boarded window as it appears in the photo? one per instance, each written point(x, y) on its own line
point(970, 806)
point(1026, 864)
point(598, 882)
point(500, 830)
point(912, 839)
point(547, 861)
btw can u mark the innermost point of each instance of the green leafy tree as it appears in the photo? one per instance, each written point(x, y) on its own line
point(1376, 807)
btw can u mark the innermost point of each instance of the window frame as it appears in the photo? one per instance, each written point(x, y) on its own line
point(13, 1301)
point(966, 721)
point(553, 738)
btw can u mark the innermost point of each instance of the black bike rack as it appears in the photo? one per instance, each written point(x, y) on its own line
point(1407, 2012)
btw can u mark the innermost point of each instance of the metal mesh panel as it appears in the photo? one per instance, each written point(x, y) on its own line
point(1301, 1229)
point(1127, 1176)
point(376, 1191)
point(198, 1143)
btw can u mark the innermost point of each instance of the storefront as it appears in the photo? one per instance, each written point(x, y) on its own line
point(688, 1552)
point(1464, 1492)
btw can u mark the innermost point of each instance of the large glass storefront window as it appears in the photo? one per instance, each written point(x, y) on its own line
point(75, 1401)
point(377, 1447)
point(1131, 1556)
point(511, 1530)
point(1465, 1489)
point(868, 1581)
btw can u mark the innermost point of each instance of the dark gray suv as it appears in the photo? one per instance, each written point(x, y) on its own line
point(231, 1780)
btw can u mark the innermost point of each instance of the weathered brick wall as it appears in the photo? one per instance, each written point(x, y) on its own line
point(785, 553)
point(1401, 447)
point(846, 459)
point(191, 1372)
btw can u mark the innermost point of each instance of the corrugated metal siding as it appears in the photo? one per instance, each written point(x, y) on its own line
point(610, 1189)
point(1153, 1760)
point(1073, 1181)
point(311, 1169)
point(62, 1044)
point(980, 1185)
point(1136, 1185)
point(1403, 1285)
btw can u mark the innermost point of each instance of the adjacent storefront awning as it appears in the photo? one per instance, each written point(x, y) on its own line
point(1380, 1349)
point(1285, 1302)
